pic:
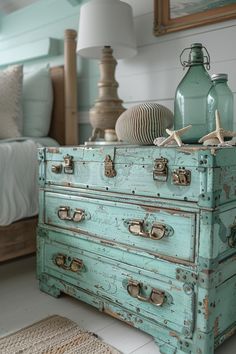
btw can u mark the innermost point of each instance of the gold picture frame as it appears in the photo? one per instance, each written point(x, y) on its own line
point(176, 15)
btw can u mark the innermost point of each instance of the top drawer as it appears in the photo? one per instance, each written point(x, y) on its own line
point(196, 174)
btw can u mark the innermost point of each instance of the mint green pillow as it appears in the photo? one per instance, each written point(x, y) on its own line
point(37, 102)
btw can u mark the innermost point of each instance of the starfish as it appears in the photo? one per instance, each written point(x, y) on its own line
point(175, 135)
point(219, 133)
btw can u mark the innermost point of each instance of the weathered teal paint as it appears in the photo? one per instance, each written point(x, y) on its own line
point(98, 259)
point(102, 216)
point(211, 179)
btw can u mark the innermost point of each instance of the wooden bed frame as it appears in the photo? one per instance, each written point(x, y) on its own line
point(19, 238)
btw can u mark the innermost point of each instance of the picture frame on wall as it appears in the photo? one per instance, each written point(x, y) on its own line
point(176, 15)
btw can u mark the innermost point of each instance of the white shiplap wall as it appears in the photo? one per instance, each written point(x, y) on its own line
point(155, 72)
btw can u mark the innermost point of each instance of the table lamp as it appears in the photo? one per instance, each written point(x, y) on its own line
point(106, 32)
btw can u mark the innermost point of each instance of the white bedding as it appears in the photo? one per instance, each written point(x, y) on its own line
point(19, 178)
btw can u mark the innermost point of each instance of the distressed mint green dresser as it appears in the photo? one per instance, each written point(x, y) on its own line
point(145, 234)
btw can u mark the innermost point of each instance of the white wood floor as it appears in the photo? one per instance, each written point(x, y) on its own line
point(21, 304)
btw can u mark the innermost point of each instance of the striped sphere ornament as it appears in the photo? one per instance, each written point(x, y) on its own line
point(143, 123)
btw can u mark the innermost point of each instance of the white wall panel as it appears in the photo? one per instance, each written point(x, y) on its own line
point(155, 72)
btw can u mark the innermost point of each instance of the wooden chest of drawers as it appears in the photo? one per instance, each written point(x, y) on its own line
point(145, 234)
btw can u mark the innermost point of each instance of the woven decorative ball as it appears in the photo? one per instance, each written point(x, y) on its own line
point(143, 123)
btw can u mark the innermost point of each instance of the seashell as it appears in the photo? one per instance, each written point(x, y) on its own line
point(211, 142)
point(143, 123)
point(159, 140)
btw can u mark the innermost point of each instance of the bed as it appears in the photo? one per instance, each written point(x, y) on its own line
point(19, 238)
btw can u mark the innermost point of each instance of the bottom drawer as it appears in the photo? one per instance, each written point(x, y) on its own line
point(167, 303)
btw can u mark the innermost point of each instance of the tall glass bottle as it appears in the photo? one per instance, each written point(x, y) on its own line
point(220, 97)
point(190, 106)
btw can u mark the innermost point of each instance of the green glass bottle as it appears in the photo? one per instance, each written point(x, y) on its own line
point(220, 97)
point(190, 106)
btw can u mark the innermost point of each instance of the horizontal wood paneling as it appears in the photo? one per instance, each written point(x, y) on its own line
point(37, 16)
point(155, 72)
point(38, 49)
point(152, 75)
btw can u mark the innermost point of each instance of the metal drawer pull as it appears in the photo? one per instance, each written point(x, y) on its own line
point(56, 168)
point(64, 214)
point(62, 261)
point(135, 228)
point(158, 231)
point(76, 265)
point(78, 215)
point(157, 297)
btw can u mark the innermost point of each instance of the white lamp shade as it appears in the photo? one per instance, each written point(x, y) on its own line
point(106, 23)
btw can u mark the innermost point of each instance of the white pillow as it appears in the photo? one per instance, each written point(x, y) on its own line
point(11, 102)
point(37, 102)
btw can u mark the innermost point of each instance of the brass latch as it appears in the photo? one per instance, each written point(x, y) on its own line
point(160, 171)
point(109, 169)
point(69, 164)
point(181, 177)
point(56, 168)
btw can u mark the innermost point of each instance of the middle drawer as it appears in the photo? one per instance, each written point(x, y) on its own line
point(166, 232)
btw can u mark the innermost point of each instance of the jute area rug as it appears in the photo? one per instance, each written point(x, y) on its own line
point(54, 335)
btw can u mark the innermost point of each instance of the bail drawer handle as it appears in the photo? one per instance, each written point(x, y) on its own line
point(64, 214)
point(157, 297)
point(158, 231)
point(62, 261)
point(136, 228)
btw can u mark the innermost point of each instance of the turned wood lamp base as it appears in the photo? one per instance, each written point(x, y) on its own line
point(108, 107)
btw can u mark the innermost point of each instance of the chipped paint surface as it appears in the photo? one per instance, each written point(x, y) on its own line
point(206, 309)
point(226, 188)
point(226, 335)
point(137, 164)
point(192, 266)
point(117, 316)
point(53, 150)
point(216, 327)
point(102, 216)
